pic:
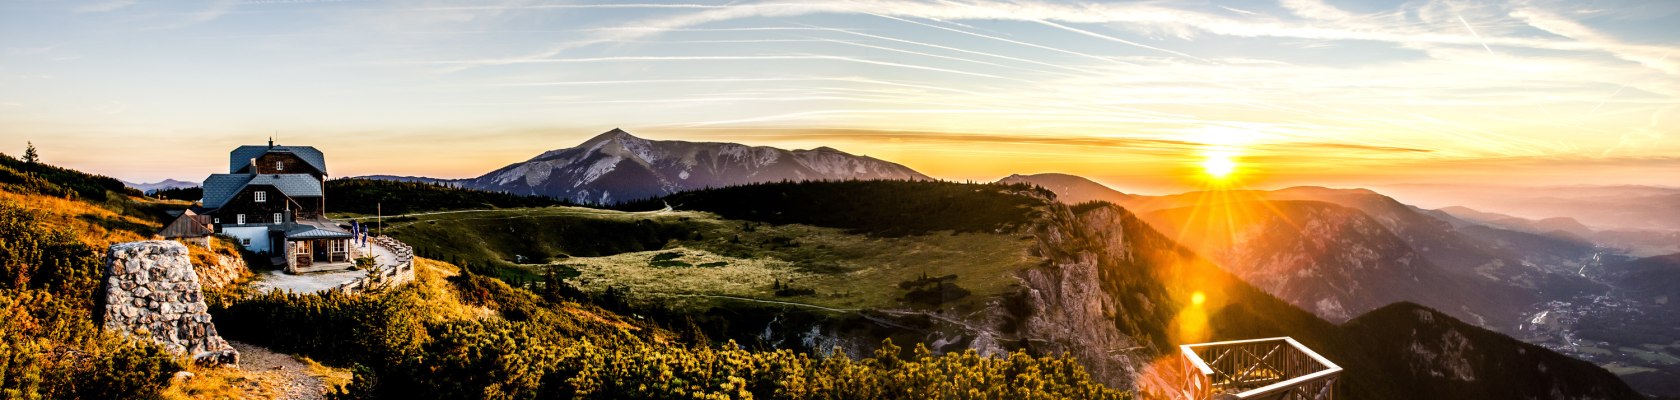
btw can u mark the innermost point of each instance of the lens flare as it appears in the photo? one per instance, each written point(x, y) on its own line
point(1219, 165)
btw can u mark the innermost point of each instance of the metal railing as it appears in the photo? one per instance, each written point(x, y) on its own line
point(1261, 369)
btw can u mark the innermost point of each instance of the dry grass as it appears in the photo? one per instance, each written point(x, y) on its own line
point(331, 377)
point(77, 216)
point(436, 295)
point(224, 383)
point(845, 270)
point(677, 285)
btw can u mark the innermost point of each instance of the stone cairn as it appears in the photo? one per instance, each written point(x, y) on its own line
point(152, 292)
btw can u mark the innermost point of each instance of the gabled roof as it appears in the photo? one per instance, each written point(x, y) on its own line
point(189, 224)
point(293, 185)
point(316, 229)
point(219, 188)
point(242, 156)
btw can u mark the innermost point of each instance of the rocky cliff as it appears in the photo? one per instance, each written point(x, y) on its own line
point(151, 291)
point(1068, 311)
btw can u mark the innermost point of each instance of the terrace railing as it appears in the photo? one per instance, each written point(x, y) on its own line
point(1260, 369)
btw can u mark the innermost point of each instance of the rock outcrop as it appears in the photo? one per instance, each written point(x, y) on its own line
point(217, 270)
point(152, 292)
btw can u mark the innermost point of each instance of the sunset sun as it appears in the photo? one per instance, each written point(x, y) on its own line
point(1219, 165)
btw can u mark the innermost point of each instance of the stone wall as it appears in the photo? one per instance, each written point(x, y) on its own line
point(152, 292)
point(388, 274)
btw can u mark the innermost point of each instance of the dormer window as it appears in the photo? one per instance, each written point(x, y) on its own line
point(239, 219)
point(260, 197)
point(278, 218)
point(279, 166)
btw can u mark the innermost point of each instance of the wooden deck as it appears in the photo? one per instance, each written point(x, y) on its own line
point(1259, 369)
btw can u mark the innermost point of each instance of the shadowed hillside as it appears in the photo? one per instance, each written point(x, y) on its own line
point(882, 208)
point(367, 196)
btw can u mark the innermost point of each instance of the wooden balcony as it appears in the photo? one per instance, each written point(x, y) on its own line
point(1259, 369)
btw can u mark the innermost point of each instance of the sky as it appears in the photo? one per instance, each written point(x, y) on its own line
point(1136, 95)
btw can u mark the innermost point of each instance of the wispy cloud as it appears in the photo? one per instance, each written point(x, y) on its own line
point(104, 6)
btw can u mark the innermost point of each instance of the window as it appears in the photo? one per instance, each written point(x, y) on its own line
point(278, 218)
point(239, 219)
point(217, 220)
point(279, 166)
point(260, 196)
point(245, 241)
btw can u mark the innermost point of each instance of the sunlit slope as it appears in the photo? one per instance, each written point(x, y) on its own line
point(1328, 259)
point(1092, 281)
point(1496, 274)
point(1394, 353)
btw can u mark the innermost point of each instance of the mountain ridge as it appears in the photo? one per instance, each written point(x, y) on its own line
point(163, 184)
point(617, 166)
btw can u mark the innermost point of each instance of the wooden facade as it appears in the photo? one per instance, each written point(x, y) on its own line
point(283, 163)
point(262, 212)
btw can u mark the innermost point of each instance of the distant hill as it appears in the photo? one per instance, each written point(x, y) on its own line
point(163, 184)
point(370, 196)
point(59, 182)
point(1442, 358)
point(1542, 226)
point(1071, 189)
point(420, 179)
point(617, 166)
point(1652, 276)
point(1601, 207)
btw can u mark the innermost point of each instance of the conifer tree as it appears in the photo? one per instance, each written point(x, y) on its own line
point(29, 154)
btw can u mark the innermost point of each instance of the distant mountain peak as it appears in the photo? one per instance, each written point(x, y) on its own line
point(615, 134)
point(1071, 189)
point(616, 166)
point(163, 184)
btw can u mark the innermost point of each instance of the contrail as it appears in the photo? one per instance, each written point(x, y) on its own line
point(960, 50)
point(1119, 40)
point(719, 58)
point(1039, 46)
point(1473, 33)
point(1619, 90)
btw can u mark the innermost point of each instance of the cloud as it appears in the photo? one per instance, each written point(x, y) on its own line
point(1108, 142)
point(104, 6)
point(1655, 57)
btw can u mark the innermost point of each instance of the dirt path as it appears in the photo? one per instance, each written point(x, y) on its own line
point(287, 377)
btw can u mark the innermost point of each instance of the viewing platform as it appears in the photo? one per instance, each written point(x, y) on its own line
point(1258, 369)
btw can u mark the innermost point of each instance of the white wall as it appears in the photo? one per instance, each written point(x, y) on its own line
point(257, 234)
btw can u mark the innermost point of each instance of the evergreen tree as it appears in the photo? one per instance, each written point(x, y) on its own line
point(29, 154)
